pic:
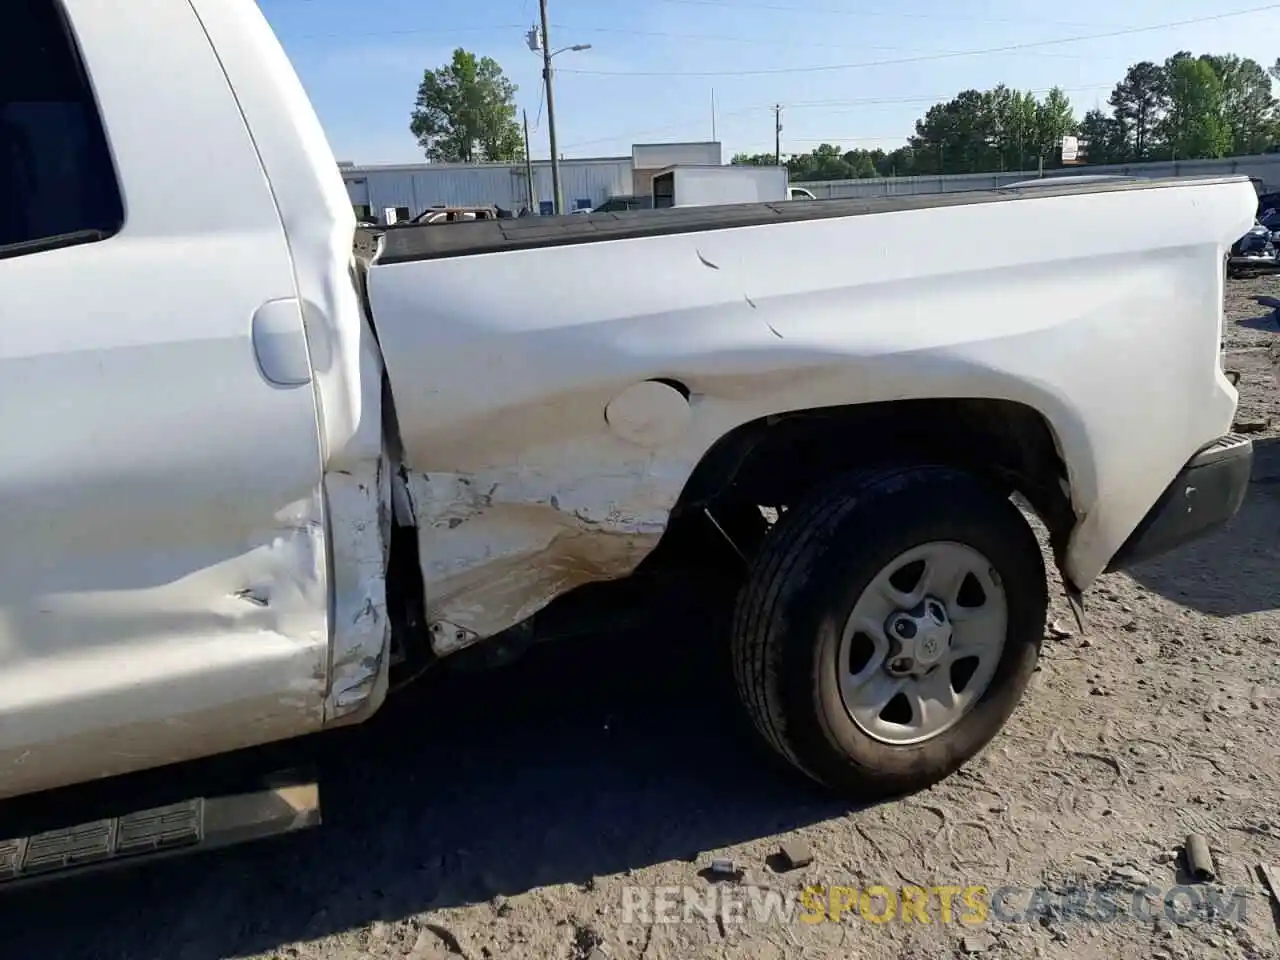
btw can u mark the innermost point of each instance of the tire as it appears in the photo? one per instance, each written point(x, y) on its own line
point(812, 570)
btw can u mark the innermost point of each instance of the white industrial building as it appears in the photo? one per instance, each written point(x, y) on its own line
point(584, 183)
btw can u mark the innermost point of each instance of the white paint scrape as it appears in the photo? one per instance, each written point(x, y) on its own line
point(359, 519)
point(498, 546)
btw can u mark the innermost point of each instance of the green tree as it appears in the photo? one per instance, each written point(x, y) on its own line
point(1105, 137)
point(1015, 127)
point(997, 129)
point(899, 163)
point(1195, 124)
point(864, 164)
point(825, 162)
point(1055, 119)
point(466, 112)
point(754, 159)
point(1139, 102)
point(1248, 106)
point(1187, 107)
point(958, 136)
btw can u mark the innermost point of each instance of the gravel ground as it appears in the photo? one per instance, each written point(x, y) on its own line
point(501, 816)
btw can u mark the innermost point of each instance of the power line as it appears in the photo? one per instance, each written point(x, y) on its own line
point(774, 42)
point(666, 128)
point(832, 11)
point(941, 98)
point(406, 32)
point(657, 34)
point(1028, 45)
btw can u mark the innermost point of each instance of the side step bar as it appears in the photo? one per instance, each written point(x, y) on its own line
point(288, 803)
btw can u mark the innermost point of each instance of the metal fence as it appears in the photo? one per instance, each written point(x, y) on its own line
point(418, 186)
point(1264, 166)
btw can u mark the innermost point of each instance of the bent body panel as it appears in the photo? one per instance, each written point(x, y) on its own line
point(503, 364)
point(164, 589)
point(347, 367)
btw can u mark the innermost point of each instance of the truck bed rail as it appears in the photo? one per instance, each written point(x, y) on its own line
point(416, 243)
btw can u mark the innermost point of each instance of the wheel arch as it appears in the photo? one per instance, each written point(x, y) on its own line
point(775, 459)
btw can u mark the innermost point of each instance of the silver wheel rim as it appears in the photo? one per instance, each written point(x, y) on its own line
point(922, 643)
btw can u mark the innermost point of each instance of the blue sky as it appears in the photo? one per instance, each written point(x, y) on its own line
point(362, 62)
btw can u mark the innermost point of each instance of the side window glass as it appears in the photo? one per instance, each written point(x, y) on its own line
point(57, 182)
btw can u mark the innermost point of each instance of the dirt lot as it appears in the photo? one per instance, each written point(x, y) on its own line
point(502, 816)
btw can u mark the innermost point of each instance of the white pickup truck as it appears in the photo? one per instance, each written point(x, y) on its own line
point(251, 481)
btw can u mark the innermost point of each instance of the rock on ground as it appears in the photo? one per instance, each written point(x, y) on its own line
point(502, 816)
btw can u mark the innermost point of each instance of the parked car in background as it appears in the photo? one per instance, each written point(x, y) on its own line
point(625, 202)
point(1257, 252)
point(452, 215)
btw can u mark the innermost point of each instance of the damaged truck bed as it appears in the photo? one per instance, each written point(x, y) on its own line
point(617, 352)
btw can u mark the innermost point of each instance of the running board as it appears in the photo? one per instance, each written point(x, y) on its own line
point(202, 823)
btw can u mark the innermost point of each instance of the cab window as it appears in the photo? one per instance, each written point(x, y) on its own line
point(57, 182)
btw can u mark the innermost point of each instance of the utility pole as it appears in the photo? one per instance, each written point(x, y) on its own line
point(528, 163)
point(551, 110)
point(713, 114)
point(777, 134)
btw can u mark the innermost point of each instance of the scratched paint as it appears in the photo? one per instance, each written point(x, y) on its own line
point(508, 357)
point(359, 501)
point(498, 546)
point(233, 653)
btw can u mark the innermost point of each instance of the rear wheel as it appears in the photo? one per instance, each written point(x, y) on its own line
point(889, 627)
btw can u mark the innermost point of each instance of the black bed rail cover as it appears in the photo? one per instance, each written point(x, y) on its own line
point(410, 243)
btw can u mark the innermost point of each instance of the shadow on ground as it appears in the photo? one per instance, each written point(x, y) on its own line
point(590, 757)
point(1232, 572)
point(587, 758)
point(1266, 321)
